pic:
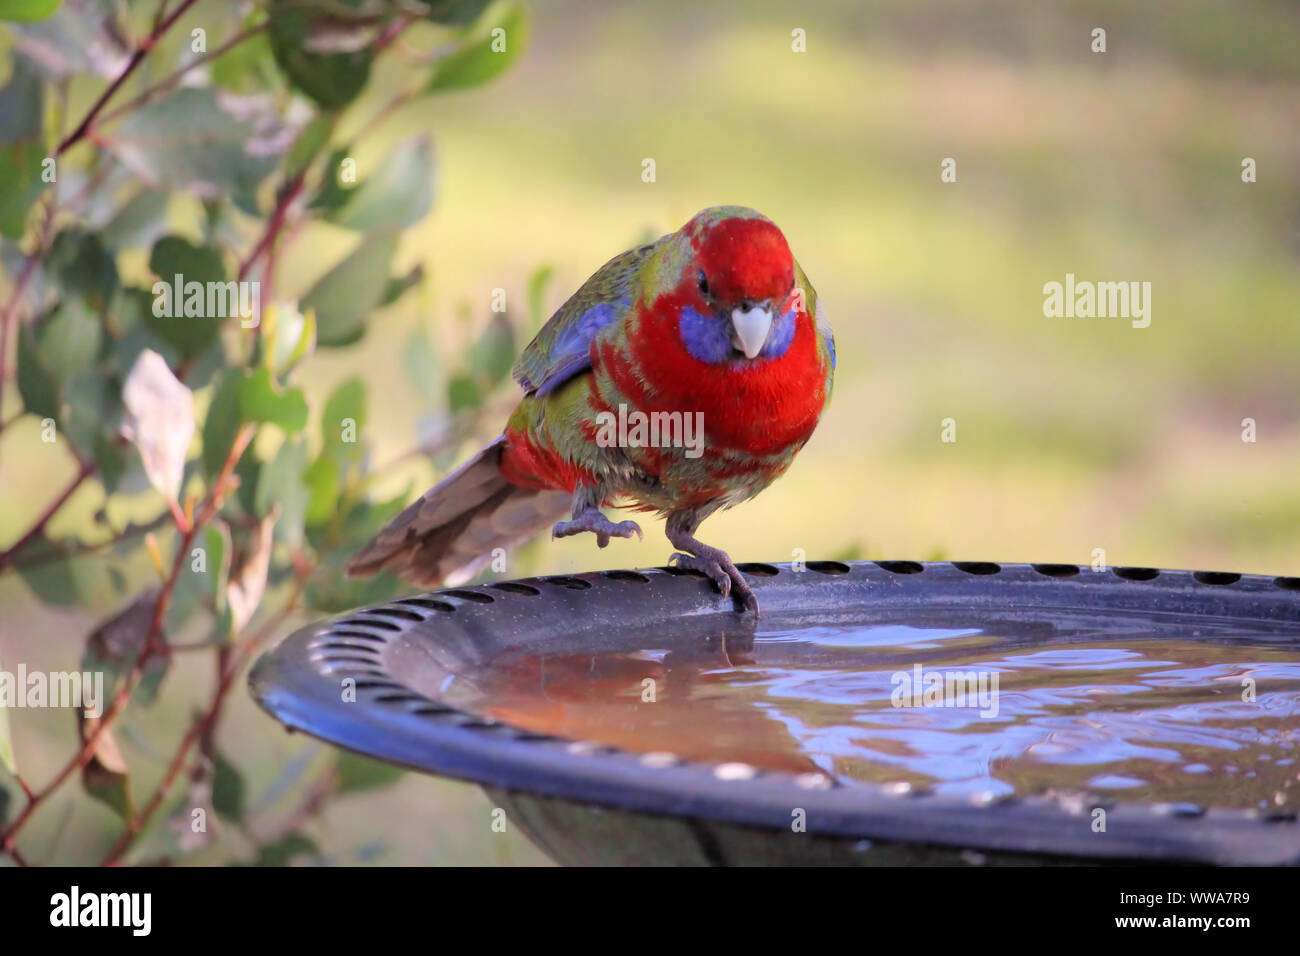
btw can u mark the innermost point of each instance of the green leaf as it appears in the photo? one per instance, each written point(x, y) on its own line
point(92, 408)
point(66, 582)
point(173, 255)
point(81, 37)
point(346, 402)
point(309, 143)
point(282, 483)
point(20, 171)
point(398, 285)
point(4, 805)
point(331, 591)
point(247, 67)
point(322, 480)
point(334, 192)
point(537, 284)
point(69, 340)
point(493, 353)
point(110, 461)
point(190, 322)
point(288, 336)
point(261, 401)
point(228, 789)
point(455, 12)
point(332, 79)
point(463, 394)
point(421, 363)
point(223, 421)
point(249, 473)
point(397, 195)
point(217, 548)
point(138, 222)
point(105, 775)
point(83, 266)
point(38, 388)
point(345, 296)
point(357, 773)
point(485, 54)
point(27, 11)
point(188, 140)
point(21, 104)
point(283, 851)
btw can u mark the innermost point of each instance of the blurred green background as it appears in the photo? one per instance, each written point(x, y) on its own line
point(1072, 434)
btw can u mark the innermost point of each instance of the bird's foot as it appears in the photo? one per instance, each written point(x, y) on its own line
point(592, 520)
point(721, 570)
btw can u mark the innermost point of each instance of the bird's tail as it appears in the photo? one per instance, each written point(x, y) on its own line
point(451, 532)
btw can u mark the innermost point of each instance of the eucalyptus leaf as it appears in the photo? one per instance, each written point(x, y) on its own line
point(194, 140)
point(79, 37)
point(261, 401)
point(487, 52)
point(332, 79)
point(27, 11)
point(229, 792)
point(397, 195)
point(20, 171)
point(345, 296)
point(222, 422)
point(21, 103)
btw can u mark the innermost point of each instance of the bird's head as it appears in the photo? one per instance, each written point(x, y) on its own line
point(742, 275)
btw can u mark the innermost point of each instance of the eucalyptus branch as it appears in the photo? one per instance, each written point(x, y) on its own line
point(153, 643)
point(203, 728)
point(166, 84)
point(84, 127)
point(83, 472)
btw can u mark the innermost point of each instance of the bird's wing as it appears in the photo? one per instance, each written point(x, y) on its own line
point(825, 335)
point(562, 349)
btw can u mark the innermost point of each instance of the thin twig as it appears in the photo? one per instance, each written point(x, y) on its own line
point(175, 78)
point(204, 726)
point(83, 472)
point(147, 44)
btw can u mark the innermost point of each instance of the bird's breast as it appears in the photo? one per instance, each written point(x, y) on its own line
point(764, 408)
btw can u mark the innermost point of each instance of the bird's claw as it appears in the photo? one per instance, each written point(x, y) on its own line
point(592, 520)
point(722, 572)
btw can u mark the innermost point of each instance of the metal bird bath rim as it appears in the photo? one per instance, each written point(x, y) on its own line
point(397, 718)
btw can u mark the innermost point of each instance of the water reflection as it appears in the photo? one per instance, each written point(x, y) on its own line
point(1115, 706)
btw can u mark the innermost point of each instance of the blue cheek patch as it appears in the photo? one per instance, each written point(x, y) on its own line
point(708, 338)
point(705, 337)
point(780, 337)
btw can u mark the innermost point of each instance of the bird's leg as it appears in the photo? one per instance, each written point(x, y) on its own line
point(715, 563)
point(587, 516)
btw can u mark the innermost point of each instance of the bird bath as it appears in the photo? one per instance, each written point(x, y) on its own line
point(889, 712)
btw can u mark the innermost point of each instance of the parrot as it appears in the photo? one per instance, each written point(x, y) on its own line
point(715, 324)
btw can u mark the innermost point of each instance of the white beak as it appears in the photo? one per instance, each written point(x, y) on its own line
point(751, 327)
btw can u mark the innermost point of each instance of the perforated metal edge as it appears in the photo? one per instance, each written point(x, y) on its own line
point(297, 683)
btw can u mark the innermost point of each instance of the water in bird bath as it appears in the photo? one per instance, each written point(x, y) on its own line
point(1117, 705)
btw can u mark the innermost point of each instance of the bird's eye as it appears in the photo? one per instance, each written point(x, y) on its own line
point(704, 284)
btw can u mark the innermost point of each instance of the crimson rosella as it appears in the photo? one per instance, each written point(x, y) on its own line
point(681, 378)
